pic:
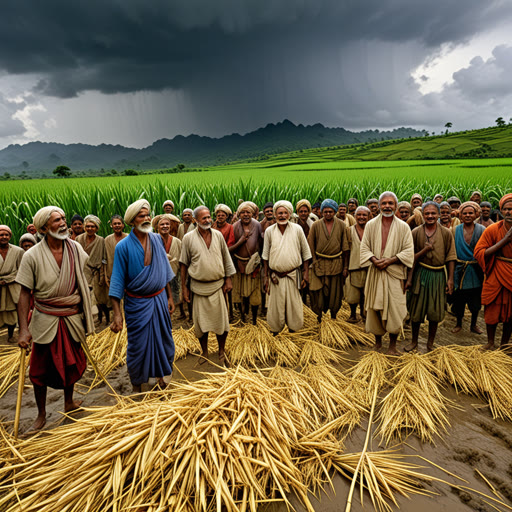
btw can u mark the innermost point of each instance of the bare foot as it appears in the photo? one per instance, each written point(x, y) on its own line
point(161, 384)
point(488, 346)
point(411, 347)
point(377, 347)
point(457, 329)
point(11, 339)
point(73, 406)
point(202, 359)
point(352, 320)
point(38, 424)
point(393, 352)
point(223, 360)
point(430, 347)
point(476, 329)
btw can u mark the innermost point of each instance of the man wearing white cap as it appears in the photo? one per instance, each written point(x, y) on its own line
point(142, 275)
point(10, 258)
point(168, 206)
point(188, 223)
point(94, 246)
point(53, 270)
point(285, 249)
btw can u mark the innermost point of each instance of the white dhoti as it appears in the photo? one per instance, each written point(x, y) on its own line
point(285, 305)
point(210, 313)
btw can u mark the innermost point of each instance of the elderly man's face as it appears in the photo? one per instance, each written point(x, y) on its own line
point(446, 214)
point(404, 213)
point(221, 217)
point(342, 211)
point(26, 245)
point(303, 213)
point(168, 208)
point(245, 215)
point(56, 226)
point(476, 198)
point(374, 207)
point(117, 226)
point(362, 218)
point(77, 227)
point(204, 219)
point(388, 206)
point(5, 236)
point(269, 213)
point(328, 213)
point(91, 228)
point(430, 215)
point(282, 215)
point(187, 217)
point(352, 206)
point(142, 221)
point(506, 211)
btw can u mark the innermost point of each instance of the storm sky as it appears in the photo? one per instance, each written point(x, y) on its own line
point(130, 72)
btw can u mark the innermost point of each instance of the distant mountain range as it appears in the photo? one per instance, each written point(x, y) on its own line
point(36, 158)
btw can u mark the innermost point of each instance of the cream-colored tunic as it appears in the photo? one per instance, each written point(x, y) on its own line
point(110, 249)
point(182, 232)
point(207, 269)
point(285, 253)
point(357, 275)
point(10, 292)
point(95, 266)
point(39, 272)
point(385, 300)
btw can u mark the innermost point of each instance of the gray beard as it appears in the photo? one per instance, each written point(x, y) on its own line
point(205, 227)
point(144, 228)
point(387, 214)
point(59, 236)
point(282, 222)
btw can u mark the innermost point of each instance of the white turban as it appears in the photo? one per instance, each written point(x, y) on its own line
point(283, 204)
point(189, 210)
point(27, 237)
point(246, 205)
point(93, 219)
point(133, 210)
point(168, 202)
point(223, 208)
point(44, 214)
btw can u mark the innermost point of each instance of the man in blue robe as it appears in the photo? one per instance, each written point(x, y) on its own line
point(469, 277)
point(142, 274)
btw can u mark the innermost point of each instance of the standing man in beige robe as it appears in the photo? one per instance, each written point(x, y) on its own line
point(356, 274)
point(330, 251)
point(285, 249)
point(387, 250)
point(117, 225)
point(205, 259)
point(53, 271)
point(188, 224)
point(94, 246)
point(246, 250)
point(10, 259)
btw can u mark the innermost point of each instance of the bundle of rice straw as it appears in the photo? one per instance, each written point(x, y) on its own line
point(333, 335)
point(9, 367)
point(108, 350)
point(184, 342)
point(370, 373)
point(250, 345)
point(452, 366)
point(493, 374)
point(310, 318)
point(286, 348)
point(314, 352)
point(415, 402)
point(228, 442)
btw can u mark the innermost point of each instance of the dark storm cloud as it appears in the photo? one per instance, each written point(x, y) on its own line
point(128, 45)
point(8, 125)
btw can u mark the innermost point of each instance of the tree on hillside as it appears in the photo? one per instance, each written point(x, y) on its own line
point(62, 170)
point(500, 122)
point(447, 126)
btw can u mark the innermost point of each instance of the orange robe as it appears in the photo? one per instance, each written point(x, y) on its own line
point(497, 288)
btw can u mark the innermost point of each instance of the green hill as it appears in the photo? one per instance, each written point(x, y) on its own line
point(483, 143)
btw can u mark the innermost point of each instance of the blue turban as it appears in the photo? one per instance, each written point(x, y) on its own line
point(329, 203)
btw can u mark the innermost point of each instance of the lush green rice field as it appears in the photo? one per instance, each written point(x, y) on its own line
point(313, 175)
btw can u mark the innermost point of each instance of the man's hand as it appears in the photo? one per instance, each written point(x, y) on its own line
point(228, 285)
point(186, 294)
point(266, 286)
point(428, 247)
point(117, 323)
point(24, 339)
point(449, 286)
point(408, 285)
point(172, 307)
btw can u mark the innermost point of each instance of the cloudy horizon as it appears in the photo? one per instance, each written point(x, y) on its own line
point(130, 73)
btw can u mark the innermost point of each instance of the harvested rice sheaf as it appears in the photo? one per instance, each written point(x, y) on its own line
point(228, 442)
point(250, 345)
point(9, 367)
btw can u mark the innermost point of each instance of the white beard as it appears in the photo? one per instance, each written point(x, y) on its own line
point(282, 222)
point(205, 226)
point(385, 214)
point(144, 228)
point(59, 235)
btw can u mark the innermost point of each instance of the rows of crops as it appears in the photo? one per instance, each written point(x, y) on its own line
point(106, 196)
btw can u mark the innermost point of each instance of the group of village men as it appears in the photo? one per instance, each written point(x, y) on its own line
point(397, 261)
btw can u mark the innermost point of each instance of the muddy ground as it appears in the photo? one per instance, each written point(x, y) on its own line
point(474, 441)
